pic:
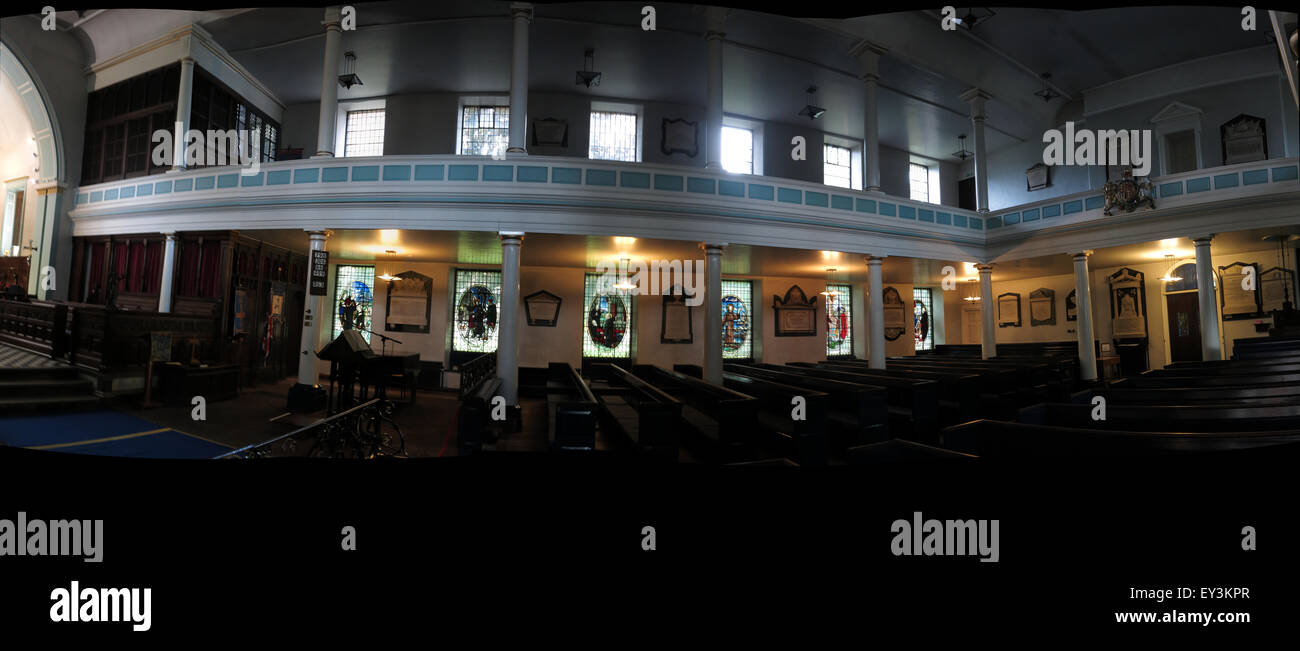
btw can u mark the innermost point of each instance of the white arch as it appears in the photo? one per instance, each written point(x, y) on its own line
point(45, 126)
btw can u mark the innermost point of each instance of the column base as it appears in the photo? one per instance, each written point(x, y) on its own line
point(323, 154)
point(304, 398)
point(516, 150)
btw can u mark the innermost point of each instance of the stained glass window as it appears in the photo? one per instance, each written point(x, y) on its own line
point(839, 320)
point(607, 331)
point(923, 318)
point(737, 319)
point(478, 292)
point(353, 299)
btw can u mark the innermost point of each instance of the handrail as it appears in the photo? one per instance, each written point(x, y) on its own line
point(475, 371)
point(298, 431)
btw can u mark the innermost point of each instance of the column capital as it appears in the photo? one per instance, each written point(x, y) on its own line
point(1082, 255)
point(709, 248)
point(333, 18)
point(715, 19)
point(868, 56)
point(1203, 240)
point(187, 61)
point(975, 94)
point(874, 259)
point(522, 10)
point(984, 268)
point(170, 236)
point(510, 237)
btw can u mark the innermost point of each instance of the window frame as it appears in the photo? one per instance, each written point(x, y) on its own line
point(911, 189)
point(929, 307)
point(755, 128)
point(629, 335)
point(456, 292)
point(496, 101)
point(749, 306)
point(626, 109)
point(341, 121)
point(846, 295)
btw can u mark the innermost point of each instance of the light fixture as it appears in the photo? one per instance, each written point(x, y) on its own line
point(1282, 241)
point(812, 111)
point(974, 296)
point(587, 76)
point(970, 20)
point(624, 283)
point(349, 77)
point(828, 291)
point(962, 152)
point(1169, 276)
point(388, 273)
point(1047, 93)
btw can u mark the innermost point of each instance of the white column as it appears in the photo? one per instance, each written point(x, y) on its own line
point(314, 316)
point(869, 60)
point(713, 35)
point(184, 101)
point(1209, 300)
point(713, 313)
point(329, 84)
point(976, 98)
point(508, 319)
point(1083, 307)
point(168, 274)
point(989, 345)
point(521, 14)
point(876, 300)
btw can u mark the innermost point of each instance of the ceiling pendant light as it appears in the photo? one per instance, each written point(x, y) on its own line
point(1169, 276)
point(349, 77)
point(962, 153)
point(624, 283)
point(388, 271)
point(828, 291)
point(1047, 93)
point(811, 110)
point(975, 296)
point(587, 76)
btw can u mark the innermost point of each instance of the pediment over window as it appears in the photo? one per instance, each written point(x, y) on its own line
point(1174, 111)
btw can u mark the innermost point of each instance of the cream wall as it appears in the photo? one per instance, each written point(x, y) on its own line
point(1157, 328)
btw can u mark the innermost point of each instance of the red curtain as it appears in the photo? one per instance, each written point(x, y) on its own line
point(189, 284)
point(119, 263)
point(211, 271)
point(153, 267)
point(135, 273)
point(94, 291)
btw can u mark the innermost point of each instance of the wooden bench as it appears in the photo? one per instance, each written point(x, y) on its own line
point(474, 416)
point(1190, 379)
point(644, 418)
point(989, 438)
point(899, 450)
point(802, 440)
point(959, 393)
point(858, 413)
point(913, 403)
point(718, 424)
point(1282, 393)
point(1174, 418)
point(1028, 382)
point(572, 409)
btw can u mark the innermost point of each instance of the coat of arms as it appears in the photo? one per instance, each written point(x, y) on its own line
point(1127, 193)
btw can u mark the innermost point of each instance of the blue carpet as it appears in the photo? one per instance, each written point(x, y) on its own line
point(54, 429)
point(163, 445)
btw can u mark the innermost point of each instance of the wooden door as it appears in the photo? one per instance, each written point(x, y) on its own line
point(1184, 327)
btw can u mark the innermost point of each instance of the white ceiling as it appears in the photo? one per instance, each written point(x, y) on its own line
point(464, 45)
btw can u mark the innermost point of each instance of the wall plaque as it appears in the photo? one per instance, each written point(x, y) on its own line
point(796, 314)
point(1071, 306)
point(1009, 310)
point(675, 322)
point(1042, 307)
point(320, 266)
point(1036, 177)
point(542, 308)
point(551, 132)
point(897, 319)
point(680, 137)
point(410, 295)
point(1274, 288)
point(1236, 299)
point(1244, 139)
point(1128, 299)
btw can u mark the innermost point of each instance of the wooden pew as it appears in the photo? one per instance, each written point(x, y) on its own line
point(858, 413)
point(959, 392)
point(1030, 382)
point(718, 424)
point(988, 438)
point(804, 440)
point(913, 403)
point(572, 409)
point(996, 386)
point(474, 415)
point(642, 417)
point(1150, 380)
point(1181, 418)
point(1282, 393)
point(898, 450)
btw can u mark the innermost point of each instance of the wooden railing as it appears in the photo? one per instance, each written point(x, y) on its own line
point(475, 371)
point(38, 325)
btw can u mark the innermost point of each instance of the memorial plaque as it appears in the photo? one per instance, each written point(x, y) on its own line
point(1244, 140)
point(320, 266)
point(1009, 310)
point(1239, 291)
point(1128, 303)
point(898, 319)
point(542, 308)
point(675, 326)
point(1042, 307)
point(1274, 287)
point(408, 299)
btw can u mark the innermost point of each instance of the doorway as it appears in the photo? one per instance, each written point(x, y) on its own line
point(1184, 310)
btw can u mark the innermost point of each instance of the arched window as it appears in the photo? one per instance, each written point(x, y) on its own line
point(1186, 274)
point(736, 319)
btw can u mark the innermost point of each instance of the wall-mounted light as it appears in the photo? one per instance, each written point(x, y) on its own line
point(588, 76)
point(349, 77)
point(811, 110)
